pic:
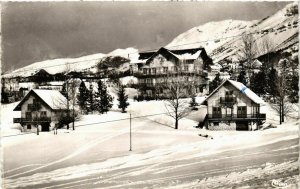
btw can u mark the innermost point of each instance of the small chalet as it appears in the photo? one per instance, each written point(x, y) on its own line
point(233, 106)
point(41, 107)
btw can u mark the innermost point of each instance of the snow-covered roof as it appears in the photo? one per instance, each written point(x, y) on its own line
point(257, 63)
point(53, 98)
point(215, 67)
point(188, 56)
point(247, 92)
point(243, 89)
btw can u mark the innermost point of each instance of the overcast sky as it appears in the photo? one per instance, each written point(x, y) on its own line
point(34, 32)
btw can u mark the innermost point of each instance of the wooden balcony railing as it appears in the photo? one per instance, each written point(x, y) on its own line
point(226, 117)
point(30, 120)
point(162, 73)
point(228, 101)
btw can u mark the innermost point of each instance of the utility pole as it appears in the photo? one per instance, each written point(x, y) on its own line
point(68, 106)
point(130, 149)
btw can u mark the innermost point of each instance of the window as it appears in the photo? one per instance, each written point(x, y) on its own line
point(145, 70)
point(216, 112)
point(175, 69)
point(161, 59)
point(43, 114)
point(154, 70)
point(255, 110)
point(228, 112)
point(189, 61)
point(30, 107)
point(186, 68)
point(227, 93)
point(149, 92)
point(165, 69)
point(149, 81)
point(35, 105)
point(242, 111)
point(141, 81)
point(28, 115)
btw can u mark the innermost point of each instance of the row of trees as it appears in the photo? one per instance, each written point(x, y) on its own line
point(100, 100)
point(278, 81)
point(279, 86)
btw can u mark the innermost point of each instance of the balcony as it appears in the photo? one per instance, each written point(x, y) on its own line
point(159, 73)
point(228, 101)
point(236, 117)
point(30, 120)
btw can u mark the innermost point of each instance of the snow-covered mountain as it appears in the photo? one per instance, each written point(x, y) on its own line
point(223, 39)
point(84, 63)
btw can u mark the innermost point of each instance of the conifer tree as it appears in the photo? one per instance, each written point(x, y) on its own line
point(242, 77)
point(271, 80)
point(4, 96)
point(122, 98)
point(83, 96)
point(103, 100)
point(64, 90)
point(258, 83)
point(215, 83)
point(91, 105)
point(294, 89)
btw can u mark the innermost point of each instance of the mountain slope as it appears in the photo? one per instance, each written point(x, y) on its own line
point(85, 63)
point(222, 39)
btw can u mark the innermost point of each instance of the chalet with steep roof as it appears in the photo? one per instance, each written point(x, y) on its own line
point(41, 107)
point(165, 64)
point(233, 106)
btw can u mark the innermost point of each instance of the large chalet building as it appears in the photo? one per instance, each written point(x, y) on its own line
point(163, 65)
point(233, 106)
point(41, 107)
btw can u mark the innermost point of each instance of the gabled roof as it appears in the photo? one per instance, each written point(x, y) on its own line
point(161, 50)
point(242, 88)
point(53, 98)
point(182, 54)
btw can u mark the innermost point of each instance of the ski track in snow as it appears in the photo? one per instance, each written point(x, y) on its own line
point(18, 168)
point(77, 152)
point(152, 167)
point(127, 183)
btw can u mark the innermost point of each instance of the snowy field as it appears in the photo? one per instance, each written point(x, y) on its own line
point(99, 148)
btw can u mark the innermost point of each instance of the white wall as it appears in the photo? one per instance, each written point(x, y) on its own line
point(242, 100)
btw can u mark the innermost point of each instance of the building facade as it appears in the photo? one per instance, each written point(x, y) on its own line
point(41, 108)
point(233, 106)
point(162, 66)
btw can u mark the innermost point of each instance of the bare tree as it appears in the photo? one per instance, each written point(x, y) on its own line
point(282, 106)
point(71, 93)
point(249, 51)
point(72, 90)
point(63, 116)
point(176, 88)
point(267, 47)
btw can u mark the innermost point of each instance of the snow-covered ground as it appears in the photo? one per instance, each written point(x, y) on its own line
point(105, 138)
point(261, 177)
